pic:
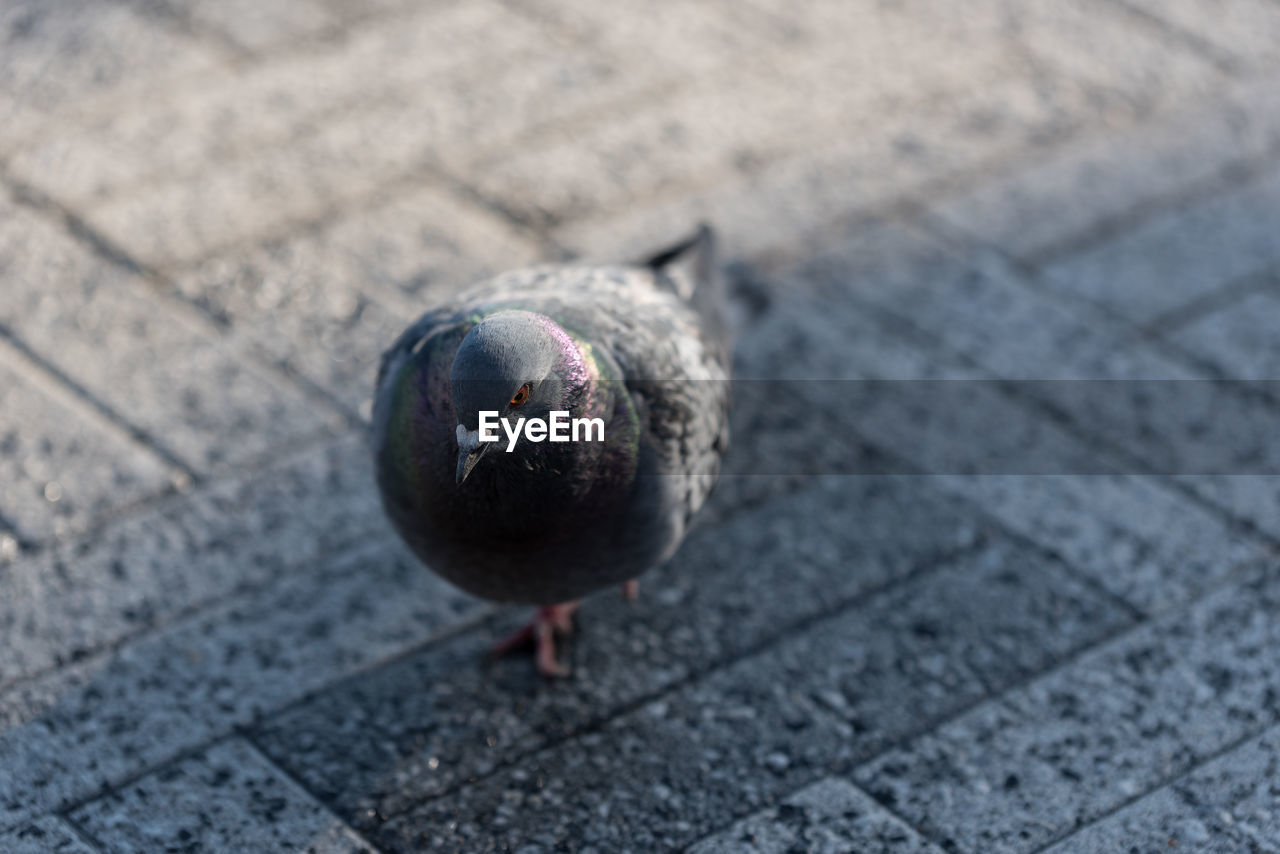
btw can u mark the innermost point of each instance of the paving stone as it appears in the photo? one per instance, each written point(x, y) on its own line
point(226, 798)
point(1215, 437)
point(1134, 536)
point(261, 27)
point(220, 118)
point(1017, 772)
point(1137, 71)
point(1255, 498)
point(780, 206)
point(870, 607)
point(1187, 253)
point(1226, 805)
point(425, 724)
point(1241, 340)
point(828, 816)
point(72, 733)
point(652, 780)
point(975, 306)
point(1033, 210)
point(61, 466)
point(1132, 68)
point(1096, 373)
point(1194, 427)
point(59, 55)
point(689, 38)
point(696, 758)
point(700, 132)
point(266, 194)
point(1039, 481)
point(1249, 30)
point(149, 359)
point(894, 61)
point(75, 598)
point(46, 835)
point(777, 448)
point(348, 162)
point(329, 302)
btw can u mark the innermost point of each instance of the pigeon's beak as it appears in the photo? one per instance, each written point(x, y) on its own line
point(467, 461)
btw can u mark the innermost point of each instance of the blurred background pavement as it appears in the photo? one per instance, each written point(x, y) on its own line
point(215, 215)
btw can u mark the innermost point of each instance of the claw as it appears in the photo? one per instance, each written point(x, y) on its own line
point(541, 631)
point(546, 655)
point(631, 590)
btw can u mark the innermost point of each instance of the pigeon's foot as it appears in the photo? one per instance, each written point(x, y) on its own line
point(631, 590)
point(551, 620)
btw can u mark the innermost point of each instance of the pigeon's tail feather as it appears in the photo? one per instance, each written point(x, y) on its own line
point(692, 269)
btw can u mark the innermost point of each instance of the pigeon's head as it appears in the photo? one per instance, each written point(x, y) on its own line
point(517, 364)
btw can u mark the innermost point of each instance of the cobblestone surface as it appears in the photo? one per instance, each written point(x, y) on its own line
point(1074, 744)
point(1227, 804)
point(205, 799)
point(951, 597)
point(831, 815)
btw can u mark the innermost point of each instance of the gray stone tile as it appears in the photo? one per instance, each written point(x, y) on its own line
point(1055, 489)
point(1170, 261)
point(1034, 209)
point(428, 244)
point(900, 396)
point(686, 38)
point(1132, 68)
point(46, 835)
point(652, 780)
point(218, 119)
point(1241, 340)
point(226, 798)
point(879, 64)
point(1136, 537)
point(1238, 788)
point(976, 307)
point(425, 724)
point(889, 128)
point(261, 27)
point(1071, 360)
point(150, 359)
point(69, 734)
point(780, 206)
point(602, 169)
point(1254, 498)
point(270, 192)
point(1018, 772)
point(1137, 71)
point(828, 816)
point(777, 449)
point(1248, 30)
point(328, 303)
point(57, 56)
point(68, 601)
point(741, 738)
point(61, 466)
point(1226, 805)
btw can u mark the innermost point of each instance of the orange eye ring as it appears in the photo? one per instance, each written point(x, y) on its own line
point(521, 395)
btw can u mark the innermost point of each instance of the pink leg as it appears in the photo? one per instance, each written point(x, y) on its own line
point(631, 590)
point(541, 631)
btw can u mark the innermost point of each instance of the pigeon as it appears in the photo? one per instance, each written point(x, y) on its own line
point(635, 354)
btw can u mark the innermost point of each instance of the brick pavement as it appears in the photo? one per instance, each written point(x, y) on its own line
point(214, 215)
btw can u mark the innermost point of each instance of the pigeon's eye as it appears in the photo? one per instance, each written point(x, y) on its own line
point(520, 396)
